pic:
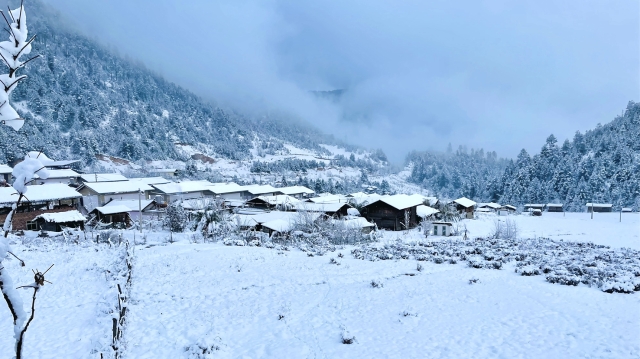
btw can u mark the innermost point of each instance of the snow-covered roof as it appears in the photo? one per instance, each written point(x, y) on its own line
point(491, 205)
point(555, 205)
point(278, 225)
point(150, 180)
point(333, 198)
point(295, 190)
point(117, 187)
point(358, 222)
point(508, 206)
point(319, 207)
point(113, 209)
point(534, 205)
point(601, 205)
point(357, 194)
point(366, 199)
point(626, 209)
point(277, 200)
point(5, 169)
point(64, 173)
point(425, 211)
point(132, 204)
point(465, 202)
point(401, 201)
point(102, 177)
point(261, 189)
point(39, 193)
point(62, 217)
point(184, 187)
point(432, 200)
point(222, 188)
point(273, 215)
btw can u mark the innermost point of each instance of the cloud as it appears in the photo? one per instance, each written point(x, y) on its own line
point(418, 75)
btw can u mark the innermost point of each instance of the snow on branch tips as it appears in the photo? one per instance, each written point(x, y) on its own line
point(11, 52)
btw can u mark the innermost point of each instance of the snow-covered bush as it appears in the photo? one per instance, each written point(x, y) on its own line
point(176, 218)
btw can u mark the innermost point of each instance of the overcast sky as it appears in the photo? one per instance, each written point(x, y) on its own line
point(501, 75)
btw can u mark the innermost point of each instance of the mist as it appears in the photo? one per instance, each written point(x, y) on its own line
point(498, 75)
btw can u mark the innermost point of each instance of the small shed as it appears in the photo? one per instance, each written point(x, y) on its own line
point(113, 214)
point(55, 222)
point(442, 229)
point(555, 207)
point(599, 207)
point(532, 206)
point(626, 210)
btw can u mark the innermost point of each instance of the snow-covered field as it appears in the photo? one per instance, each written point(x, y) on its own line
point(214, 301)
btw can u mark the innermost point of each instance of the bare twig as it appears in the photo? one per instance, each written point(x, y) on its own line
point(16, 257)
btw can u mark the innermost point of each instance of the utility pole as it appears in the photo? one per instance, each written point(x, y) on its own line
point(139, 210)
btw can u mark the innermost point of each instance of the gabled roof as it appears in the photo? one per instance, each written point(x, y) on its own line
point(183, 187)
point(425, 211)
point(602, 205)
point(38, 193)
point(116, 187)
point(320, 207)
point(112, 209)
point(400, 201)
point(366, 199)
point(491, 205)
point(508, 206)
point(62, 217)
point(333, 198)
point(102, 177)
point(150, 180)
point(261, 189)
point(295, 190)
point(132, 204)
point(64, 173)
point(465, 202)
point(5, 169)
point(278, 225)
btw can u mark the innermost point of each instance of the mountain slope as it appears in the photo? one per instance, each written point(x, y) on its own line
point(82, 100)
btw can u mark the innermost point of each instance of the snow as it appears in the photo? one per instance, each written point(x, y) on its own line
point(465, 202)
point(132, 204)
point(26, 171)
point(102, 177)
point(113, 209)
point(279, 199)
point(337, 198)
point(358, 222)
point(260, 189)
point(226, 188)
point(150, 180)
point(319, 207)
point(40, 193)
point(425, 211)
point(117, 187)
point(5, 169)
point(602, 205)
point(184, 187)
point(402, 201)
point(63, 217)
point(295, 190)
point(278, 225)
point(63, 173)
point(491, 205)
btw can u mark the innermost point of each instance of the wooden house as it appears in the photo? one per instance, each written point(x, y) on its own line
point(599, 207)
point(330, 209)
point(55, 222)
point(229, 191)
point(555, 207)
point(281, 202)
point(184, 190)
point(147, 208)
point(113, 215)
point(393, 212)
point(297, 192)
point(465, 207)
point(49, 196)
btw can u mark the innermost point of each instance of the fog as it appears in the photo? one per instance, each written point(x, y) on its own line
point(417, 75)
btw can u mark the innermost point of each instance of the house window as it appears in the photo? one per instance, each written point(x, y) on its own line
point(435, 230)
point(32, 226)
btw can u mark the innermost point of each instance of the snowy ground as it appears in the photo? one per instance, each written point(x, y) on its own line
point(251, 302)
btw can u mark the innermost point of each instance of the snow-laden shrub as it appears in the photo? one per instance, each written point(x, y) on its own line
point(528, 270)
point(176, 218)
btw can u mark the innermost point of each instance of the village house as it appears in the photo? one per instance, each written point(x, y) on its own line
point(280, 202)
point(599, 207)
point(56, 222)
point(150, 209)
point(329, 209)
point(555, 207)
point(491, 207)
point(174, 191)
point(5, 172)
point(393, 212)
point(65, 176)
point(465, 207)
point(297, 191)
point(48, 196)
point(229, 191)
point(97, 194)
point(253, 191)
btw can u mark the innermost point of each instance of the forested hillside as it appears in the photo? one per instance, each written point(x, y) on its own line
point(81, 99)
point(601, 165)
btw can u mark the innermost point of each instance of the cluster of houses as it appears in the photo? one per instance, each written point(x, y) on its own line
point(71, 199)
